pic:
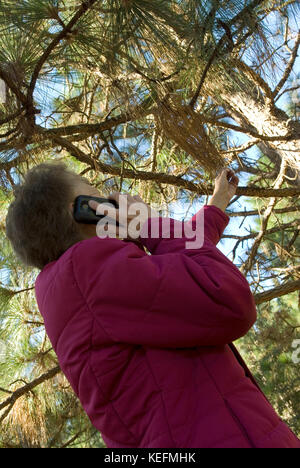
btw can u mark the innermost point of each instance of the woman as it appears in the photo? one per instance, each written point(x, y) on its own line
point(145, 340)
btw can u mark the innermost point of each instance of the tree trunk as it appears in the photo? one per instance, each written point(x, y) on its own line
point(245, 103)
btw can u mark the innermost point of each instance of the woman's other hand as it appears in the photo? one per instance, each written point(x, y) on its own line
point(226, 184)
point(127, 212)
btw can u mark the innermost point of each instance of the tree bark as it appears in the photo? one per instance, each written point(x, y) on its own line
point(245, 103)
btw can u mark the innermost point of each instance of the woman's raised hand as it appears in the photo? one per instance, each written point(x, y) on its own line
point(226, 184)
point(130, 207)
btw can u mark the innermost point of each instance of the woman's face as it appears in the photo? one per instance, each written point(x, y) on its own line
point(84, 188)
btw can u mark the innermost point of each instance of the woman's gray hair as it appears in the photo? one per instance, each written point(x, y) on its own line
point(39, 223)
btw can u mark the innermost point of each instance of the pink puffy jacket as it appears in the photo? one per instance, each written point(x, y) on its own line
point(146, 341)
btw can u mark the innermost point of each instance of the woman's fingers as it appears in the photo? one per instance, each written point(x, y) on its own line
point(93, 204)
point(226, 184)
point(115, 196)
point(229, 174)
point(121, 214)
point(234, 180)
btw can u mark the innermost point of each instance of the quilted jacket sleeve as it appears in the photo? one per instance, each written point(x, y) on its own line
point(209, 223)
point(176, 297)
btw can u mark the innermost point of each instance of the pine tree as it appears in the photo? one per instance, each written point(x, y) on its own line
point(151, 96)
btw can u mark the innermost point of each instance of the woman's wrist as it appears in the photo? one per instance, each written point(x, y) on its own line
point(219, 201)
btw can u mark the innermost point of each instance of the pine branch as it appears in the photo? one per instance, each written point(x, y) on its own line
point(10, 401)
point(287, 209)
point(288, 136)
point(22, 290)
point(5, 391)
point(86, 4)
point(241, 148)
point(96, 128)
point(278, 291)
point(10, 117)
point(162, 178)
point(241, 15)
point(92, 129)
point(295, 224)
point(85, 130)
point(13, 87)
point(205, 71)
point(289, 67)
point(69, 442)
point(247, 265)
point(129, 173)
point(287, 90)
